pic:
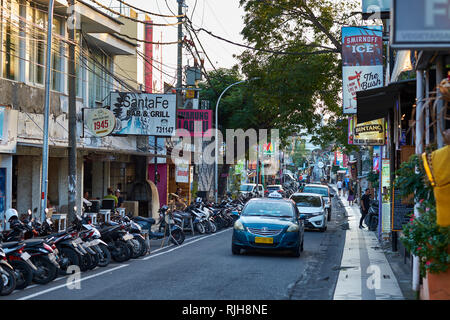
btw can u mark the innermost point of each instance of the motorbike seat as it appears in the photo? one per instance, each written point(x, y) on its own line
point(11, 244)
point(33, 242)
point(148, 220)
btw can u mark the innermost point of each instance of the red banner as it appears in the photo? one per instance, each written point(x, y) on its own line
point(186, 120)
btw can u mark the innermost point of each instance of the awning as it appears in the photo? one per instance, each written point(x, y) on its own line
point(375, 103)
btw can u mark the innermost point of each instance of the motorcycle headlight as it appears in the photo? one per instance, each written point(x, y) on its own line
point(238, 225)
point(293, 228)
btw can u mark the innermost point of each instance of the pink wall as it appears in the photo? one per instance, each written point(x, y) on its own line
point(162, 184)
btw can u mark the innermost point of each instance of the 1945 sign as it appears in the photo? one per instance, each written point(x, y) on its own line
point(144, 113)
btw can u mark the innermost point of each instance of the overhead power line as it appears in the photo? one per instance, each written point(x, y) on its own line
point(133, 19)
point(328, 50)
point(150, 13)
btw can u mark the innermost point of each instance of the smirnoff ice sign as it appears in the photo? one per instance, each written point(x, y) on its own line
point(362, 55)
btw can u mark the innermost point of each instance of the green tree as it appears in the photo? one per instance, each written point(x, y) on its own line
point(299, 88)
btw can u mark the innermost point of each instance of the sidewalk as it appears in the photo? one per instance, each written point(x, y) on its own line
point(365, 272)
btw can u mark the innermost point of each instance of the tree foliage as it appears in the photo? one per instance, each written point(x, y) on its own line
point(299, 88)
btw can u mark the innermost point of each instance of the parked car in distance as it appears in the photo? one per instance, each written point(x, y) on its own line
point(274, 187)
point(322, 190)
point(313, 206)
point(269, 224)
point(251, 187)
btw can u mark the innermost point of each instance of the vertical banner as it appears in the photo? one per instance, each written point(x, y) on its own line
point(386, 196)
point(2, 198)
point(148, 53)
point(362, 61)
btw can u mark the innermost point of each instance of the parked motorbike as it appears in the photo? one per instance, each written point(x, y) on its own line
point(371, 219)
point(24, 269)
point(168, 226)
point(7, 275)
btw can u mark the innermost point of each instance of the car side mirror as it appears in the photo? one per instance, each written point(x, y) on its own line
point(302, 216)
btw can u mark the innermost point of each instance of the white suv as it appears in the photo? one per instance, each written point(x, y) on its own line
point(251, 187)
point(313, 206)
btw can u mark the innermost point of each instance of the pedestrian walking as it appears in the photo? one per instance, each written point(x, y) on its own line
point(351, 195)
point(339, 186)
point(365, 202)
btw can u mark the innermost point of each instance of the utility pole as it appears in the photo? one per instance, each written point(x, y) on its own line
point(44, 182)
point(180, 55)
point(72, 176)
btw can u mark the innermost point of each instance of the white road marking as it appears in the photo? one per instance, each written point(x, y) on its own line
point(187, 242)
point(63, 285)
point(184, 244)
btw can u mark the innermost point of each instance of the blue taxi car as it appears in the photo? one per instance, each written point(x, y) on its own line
point(269, 224)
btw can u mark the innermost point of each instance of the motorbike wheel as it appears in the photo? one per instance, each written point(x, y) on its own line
point(373, 225)
point(213, 227)
point(178, 237)
point(72, 255)
point(135, 248)
point(85, 262)
point(207, 226)
point(24, 274)
point(95, 260)
point(8, 279)
point(200, 228)
point(46, 267)
point(143, 245)
point(121, 252)
point(105, 257)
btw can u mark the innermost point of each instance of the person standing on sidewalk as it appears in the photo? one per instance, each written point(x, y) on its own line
point(351, 195)
point(365, 202)
point(339, 186)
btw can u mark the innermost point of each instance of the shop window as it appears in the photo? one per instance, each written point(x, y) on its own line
point(11, 39)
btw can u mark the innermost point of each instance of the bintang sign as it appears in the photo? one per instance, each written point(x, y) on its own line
point(144, 113)
point(421, 24)
point(367, 133)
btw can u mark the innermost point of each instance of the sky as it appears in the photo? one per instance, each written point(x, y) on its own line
point(221, 17)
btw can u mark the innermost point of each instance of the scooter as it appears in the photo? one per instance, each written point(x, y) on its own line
point(7, 275)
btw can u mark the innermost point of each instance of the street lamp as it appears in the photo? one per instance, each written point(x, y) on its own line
point(216, 184)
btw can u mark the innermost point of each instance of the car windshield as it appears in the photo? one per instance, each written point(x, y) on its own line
point(273, 188)
point(278, 208)
point(246, 187)
point(307, 201)
point(318, 190)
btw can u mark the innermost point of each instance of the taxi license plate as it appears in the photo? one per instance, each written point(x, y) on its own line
point(263, 240)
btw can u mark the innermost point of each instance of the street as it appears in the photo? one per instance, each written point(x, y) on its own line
point(203, 268)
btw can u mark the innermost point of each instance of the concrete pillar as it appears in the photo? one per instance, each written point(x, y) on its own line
point(97, 179)
point(80, 182)
point(36, 182)
point(106, 177)
point(24, 183)
point(63, 184)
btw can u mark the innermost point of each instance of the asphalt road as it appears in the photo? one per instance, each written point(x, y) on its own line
point(203, 268)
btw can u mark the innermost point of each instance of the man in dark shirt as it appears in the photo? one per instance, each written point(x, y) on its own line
point(365, 202)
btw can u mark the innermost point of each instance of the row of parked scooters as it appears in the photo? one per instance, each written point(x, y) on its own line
point(32, 252)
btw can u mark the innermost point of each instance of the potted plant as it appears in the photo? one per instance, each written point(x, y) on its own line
point(422, 236)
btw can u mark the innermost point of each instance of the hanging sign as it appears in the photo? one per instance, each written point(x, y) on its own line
point(182, 172)
point(371, 133)
point(421, 24)
point(186, 120)
point(362, 60)
point(144, 114)
point(99, 121)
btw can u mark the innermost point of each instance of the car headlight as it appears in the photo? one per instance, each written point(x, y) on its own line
point(316, 214)
point(238, 225)
point(293, 228)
